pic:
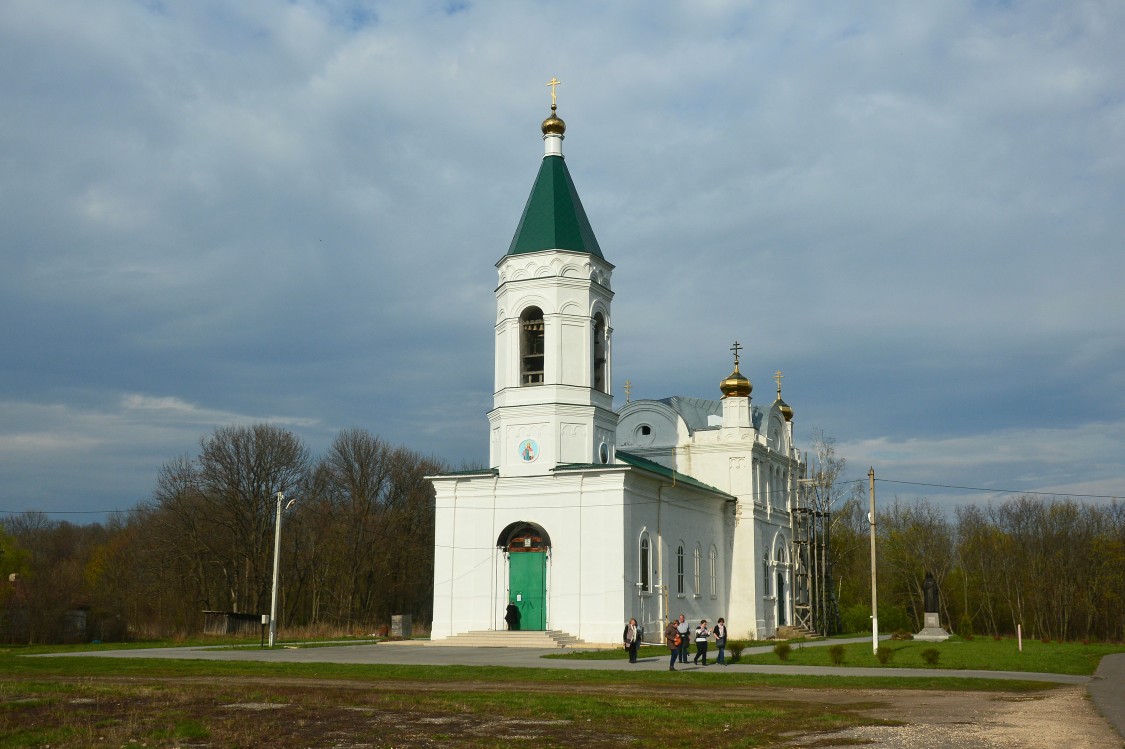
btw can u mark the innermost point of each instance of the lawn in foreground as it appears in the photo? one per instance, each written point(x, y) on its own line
point(290, 715)
point(80, 702)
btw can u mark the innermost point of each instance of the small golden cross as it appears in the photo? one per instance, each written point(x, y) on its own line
point(554, 82)
point(777, 378)
point(628, 390)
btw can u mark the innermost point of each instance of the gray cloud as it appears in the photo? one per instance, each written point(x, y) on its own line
point(291, 211)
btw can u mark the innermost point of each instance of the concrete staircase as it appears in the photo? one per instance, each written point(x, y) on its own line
point(551, 638)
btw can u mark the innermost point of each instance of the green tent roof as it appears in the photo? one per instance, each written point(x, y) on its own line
point(553, 218)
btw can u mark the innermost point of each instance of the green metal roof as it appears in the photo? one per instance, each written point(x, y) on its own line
point(666, 472)
point(553, 218)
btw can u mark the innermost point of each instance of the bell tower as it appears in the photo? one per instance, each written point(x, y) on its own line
point(552, 402)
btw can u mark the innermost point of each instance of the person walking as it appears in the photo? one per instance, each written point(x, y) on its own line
point(702, 635)
point(685, 630)
point(672, 637)
point(632, 639)
point(720, 632)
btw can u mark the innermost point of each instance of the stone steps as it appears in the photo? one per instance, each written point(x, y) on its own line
point(508, 639)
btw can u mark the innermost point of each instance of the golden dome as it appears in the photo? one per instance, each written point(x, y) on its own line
point(553, 125)
point(786, 411)
point(735, 385)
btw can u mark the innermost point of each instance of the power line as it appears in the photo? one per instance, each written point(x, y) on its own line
point(1001, 491)
point(767, 493)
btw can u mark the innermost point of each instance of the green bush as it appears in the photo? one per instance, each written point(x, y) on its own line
point(892, 618)
point(885, 655)
point(856, 618)
point(836, 653)
point(931, 656)
point(734, 650)
point(781, 650)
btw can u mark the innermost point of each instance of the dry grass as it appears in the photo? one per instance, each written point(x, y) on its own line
point(296, 713)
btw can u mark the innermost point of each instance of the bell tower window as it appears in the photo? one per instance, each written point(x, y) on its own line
point(600, 359)
point(531, 346)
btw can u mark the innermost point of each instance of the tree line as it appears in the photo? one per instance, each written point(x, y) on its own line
point(1052, 566)
point(356, 548)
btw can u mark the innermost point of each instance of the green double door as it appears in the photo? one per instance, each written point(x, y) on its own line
point(527, 587)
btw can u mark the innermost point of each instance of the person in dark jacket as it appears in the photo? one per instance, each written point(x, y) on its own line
point(512, 616)
point(632, 638)
point(720, 633)
point(672, 637)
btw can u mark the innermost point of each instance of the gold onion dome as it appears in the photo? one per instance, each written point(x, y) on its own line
point(735, 385)
point(786, 411)
point(553, 125)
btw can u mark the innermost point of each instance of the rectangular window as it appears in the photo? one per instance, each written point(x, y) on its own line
point(713, 572)
point(695, 572)
point(645, 558)
point(680, 570)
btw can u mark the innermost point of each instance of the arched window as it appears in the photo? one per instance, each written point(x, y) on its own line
point(601, 361)
point(531, 346)
point(713, 570)
point(646, 565)
point(680, 569)
point(697, 564)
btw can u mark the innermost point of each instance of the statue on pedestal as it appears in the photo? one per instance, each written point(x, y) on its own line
point(930, 594)
point(931, 598)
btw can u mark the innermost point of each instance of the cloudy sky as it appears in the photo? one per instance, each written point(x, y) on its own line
point(215, 213)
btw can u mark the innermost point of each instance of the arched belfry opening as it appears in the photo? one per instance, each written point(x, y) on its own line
point(531, 346)
point(600, 358)
point(526, 547)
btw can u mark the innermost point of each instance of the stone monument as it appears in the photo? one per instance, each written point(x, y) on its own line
point(932, 631)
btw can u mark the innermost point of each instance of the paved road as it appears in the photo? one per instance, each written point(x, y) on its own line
point(1106, 686)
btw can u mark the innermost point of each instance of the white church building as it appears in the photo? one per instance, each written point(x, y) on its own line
point(589, 516)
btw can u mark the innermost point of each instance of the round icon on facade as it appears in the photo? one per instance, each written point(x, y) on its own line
point(529, 451)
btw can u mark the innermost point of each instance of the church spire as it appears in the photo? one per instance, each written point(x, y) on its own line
point(553, 402)
point(554, 218)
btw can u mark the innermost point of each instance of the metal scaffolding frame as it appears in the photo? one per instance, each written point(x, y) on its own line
point(815, 606)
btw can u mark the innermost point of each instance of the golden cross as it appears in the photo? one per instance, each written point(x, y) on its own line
point(777, 378)
point(553, 82)
point(628, 390)
point(736, 348)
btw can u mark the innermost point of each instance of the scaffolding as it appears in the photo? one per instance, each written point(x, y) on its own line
point(815, 606)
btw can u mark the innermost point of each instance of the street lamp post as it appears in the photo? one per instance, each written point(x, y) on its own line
point(276, 558)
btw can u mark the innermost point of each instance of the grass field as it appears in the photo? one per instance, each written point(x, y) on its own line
point(82, 702)
point(955, 653)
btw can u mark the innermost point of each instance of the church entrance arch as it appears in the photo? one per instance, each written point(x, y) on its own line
point(526, 546)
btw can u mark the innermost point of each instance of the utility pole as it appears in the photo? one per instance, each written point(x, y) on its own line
point(874, 597)
point(276, 557)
